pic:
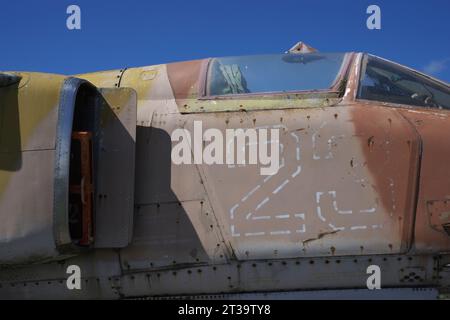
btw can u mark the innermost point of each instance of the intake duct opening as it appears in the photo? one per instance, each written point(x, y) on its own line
point(82, 167)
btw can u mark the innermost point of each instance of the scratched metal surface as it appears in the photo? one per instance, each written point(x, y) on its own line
point(325, 198)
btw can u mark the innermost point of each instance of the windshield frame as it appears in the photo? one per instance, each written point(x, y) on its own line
point(333, 89)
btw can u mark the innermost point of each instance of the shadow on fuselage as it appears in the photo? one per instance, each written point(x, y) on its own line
point(163, 232)
point(10, 139)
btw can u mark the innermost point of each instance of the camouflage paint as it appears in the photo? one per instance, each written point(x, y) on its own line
point(359, 164)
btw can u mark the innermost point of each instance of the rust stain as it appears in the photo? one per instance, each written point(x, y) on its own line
point(320, 236)
point(333, 250)
point(371, 142)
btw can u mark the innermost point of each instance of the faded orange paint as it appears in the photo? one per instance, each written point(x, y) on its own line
point(391, 147)
point(432, 126)
point(184, 78)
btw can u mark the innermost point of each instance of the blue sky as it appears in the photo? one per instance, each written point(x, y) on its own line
point(130, 33)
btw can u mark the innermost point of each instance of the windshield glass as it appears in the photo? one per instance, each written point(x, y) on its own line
point(273, 73)
point(388, 82)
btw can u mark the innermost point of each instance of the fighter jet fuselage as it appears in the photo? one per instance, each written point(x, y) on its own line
point(224, 177)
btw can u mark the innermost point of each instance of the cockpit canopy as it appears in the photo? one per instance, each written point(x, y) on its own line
point(290, 72)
